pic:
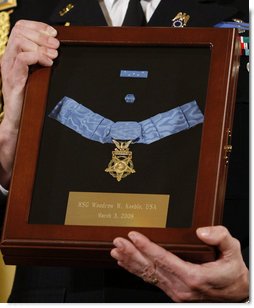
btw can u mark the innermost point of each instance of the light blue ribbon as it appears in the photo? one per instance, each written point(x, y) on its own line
point(95, 127)
point(133, 74)
point(233, 24)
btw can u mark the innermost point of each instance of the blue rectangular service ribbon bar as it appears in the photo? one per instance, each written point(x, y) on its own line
point(133, 74)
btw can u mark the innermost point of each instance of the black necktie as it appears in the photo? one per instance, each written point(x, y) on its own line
point(134, 15)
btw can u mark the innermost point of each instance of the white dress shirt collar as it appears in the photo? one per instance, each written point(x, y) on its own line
point(115, 10)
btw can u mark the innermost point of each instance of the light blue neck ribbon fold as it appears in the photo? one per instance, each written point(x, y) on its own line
point(95, 127)
point(233, 24)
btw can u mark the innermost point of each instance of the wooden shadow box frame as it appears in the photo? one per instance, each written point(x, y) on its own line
point(49, 243)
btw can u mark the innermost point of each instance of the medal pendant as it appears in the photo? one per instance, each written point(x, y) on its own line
point(121, 164)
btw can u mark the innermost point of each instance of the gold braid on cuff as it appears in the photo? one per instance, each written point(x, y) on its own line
point(1, 103)
point(4, 33)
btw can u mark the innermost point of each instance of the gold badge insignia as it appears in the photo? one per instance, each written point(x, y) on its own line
point(65, 10)
point(7, 4)
point(180, 20)
point(121, 164)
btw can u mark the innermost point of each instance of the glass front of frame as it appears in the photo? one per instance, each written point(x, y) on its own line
point(71, 164)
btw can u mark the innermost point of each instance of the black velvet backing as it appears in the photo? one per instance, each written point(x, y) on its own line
point(91, 75)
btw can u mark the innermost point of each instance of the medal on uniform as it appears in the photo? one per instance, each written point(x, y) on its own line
point(180, 20)
point(7, 4)
point(66, 9)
